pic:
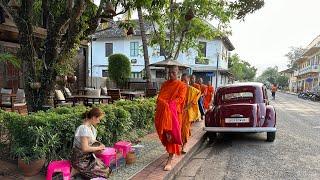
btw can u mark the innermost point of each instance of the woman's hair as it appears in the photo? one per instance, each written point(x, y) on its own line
point(94, 112)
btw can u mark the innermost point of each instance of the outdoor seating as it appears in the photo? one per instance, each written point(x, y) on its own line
point(151, 92)
point(124, 147)
point(63, 166)
point(115, 94)
point(104, 91)
point(67, 92)
point(60, 100)
point(107, 155)
point(14, 102)
point(94, 93)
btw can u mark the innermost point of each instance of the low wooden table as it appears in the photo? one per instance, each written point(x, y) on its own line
point(132, 94)
point(87, 98)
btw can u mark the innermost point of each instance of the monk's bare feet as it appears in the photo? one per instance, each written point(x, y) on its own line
point(168, 167)
point(182, 150)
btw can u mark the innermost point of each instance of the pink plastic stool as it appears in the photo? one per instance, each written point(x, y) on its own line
point(107, 155)
point(124, 147)
point(63, 166)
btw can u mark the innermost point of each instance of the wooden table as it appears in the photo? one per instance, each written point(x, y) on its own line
point(86, 99)
point(132, 94)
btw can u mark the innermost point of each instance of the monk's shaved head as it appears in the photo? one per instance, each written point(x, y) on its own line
point(173, 72)
point(185, 78)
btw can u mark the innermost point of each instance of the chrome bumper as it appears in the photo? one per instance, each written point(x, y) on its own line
point(240, 129)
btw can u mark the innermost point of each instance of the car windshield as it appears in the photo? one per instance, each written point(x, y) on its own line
point(237, 96)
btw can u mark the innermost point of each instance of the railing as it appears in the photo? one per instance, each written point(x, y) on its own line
point(308, 69)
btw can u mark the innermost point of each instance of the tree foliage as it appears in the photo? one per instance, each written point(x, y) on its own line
point(272, 76)
point(175, 33)
point(119, 68)
point(67, 22)
point(293, 55)
point(241, 70)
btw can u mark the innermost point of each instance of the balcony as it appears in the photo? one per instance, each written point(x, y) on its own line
point(309, 69)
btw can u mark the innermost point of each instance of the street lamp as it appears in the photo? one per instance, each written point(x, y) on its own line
point(217, 71)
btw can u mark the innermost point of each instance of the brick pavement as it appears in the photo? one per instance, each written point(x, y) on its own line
point(155, 170)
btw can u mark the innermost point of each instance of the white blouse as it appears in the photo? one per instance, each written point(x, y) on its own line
point(84, 131)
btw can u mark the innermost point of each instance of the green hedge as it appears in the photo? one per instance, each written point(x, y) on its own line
point(50, 134)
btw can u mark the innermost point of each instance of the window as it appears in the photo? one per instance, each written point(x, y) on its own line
point(237, 96)
point(105, 73)
point(133, 61)
point(203, 49)
point(134, 49)
point(201, 60)
point(109, 49)
point(160, 74)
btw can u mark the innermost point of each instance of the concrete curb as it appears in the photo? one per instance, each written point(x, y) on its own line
point(186, 158)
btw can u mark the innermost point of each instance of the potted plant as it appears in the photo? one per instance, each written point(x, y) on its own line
point(71, 79)
point(33, 147)
point(30, 160)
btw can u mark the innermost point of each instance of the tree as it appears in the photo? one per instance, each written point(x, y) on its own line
point(67, 23)
point(241, 70)
point(293, 55)
point(272, 76)
point(119, 68)
point(177, 26)
point(282, 81)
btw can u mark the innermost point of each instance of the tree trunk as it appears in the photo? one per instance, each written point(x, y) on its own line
point(145, 48)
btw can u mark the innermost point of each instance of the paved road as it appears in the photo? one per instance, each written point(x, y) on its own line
point(295, 154)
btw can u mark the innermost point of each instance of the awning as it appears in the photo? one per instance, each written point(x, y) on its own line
point(168, 63)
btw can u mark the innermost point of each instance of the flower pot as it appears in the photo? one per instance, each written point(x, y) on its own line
point(72, 79)
point(130, 31)
point(35, 85)
point(131, 158)
point(189, 15)
point(31, 169)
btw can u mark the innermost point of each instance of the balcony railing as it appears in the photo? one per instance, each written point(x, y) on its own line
point(309, 69)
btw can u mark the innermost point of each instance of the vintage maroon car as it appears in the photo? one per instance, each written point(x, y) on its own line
point(242, 107)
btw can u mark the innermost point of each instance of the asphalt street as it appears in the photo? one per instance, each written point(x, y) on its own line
point(295, 154)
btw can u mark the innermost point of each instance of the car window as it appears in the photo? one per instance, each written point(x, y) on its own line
point(237, 96)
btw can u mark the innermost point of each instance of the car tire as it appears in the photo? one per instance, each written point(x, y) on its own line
point(271, 136)
point(212, 136)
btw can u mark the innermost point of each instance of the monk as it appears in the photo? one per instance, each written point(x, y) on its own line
point(173, 90)
point(203, 89)
point(193, 82)
point(208, 99)
point(190, 112)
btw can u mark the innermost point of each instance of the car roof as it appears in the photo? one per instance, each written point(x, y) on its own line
point(253, 84)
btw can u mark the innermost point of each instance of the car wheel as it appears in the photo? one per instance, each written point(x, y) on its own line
point(271, 136)
point(212, 136)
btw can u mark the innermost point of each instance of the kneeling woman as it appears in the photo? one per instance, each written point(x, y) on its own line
point(83, 158)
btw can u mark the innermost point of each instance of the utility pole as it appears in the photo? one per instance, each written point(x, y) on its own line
point(217, 71)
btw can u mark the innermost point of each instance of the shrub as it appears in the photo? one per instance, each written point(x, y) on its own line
point(51, 133)
point(119, 69)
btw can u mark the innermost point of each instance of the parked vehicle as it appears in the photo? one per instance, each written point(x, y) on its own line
point(315, 97)
point(242, 107)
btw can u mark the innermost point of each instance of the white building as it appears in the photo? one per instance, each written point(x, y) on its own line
point(115, 41)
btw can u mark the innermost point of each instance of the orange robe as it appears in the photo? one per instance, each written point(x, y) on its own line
point(208, 97)
point(197, 86)
point(171, 90)
point(190, 112)
point(203, 89)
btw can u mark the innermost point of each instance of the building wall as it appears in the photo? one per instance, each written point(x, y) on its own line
point(215, 48)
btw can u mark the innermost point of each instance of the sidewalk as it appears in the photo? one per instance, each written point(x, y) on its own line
point(155, 170)
point(149, 164)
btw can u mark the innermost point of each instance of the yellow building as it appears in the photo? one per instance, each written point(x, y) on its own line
point(308, 67)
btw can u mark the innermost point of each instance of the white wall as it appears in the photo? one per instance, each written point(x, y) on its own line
point(122, 45)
